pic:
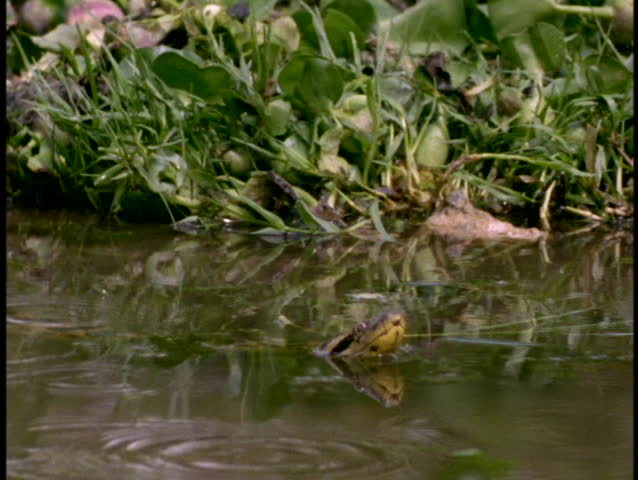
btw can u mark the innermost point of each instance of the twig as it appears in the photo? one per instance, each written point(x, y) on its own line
point(545, 207)
point(584, 213)
point(614, 141)
point(462, 160)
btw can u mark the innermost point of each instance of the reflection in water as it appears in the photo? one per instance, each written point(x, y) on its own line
point(383, 382)
point(137, 353)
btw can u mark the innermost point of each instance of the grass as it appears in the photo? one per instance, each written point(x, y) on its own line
point(357, 134)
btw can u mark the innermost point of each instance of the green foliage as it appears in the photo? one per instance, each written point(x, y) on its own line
point(526, 103)
point(209, 83)
point(345, 24)
point(512, 17)
point(312, 82)
point(428, 26)
point(607, 75)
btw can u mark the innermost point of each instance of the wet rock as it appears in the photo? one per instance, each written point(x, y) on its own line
point(461, 221)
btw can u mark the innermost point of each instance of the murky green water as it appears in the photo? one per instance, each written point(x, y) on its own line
point(137, 353)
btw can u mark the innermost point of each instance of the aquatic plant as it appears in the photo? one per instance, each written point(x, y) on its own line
point(343, 116)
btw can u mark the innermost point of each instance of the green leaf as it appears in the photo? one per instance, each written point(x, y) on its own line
point(383, 9)
point(518, 50)
point(267, 231)
point(272, 219)
point(43, 160)
point(338, 28)
point(607, 75)
point(510, 17)
point(331, 140)
point(340, 18)
point(312, 221)
point(375, 215)
point(549, 46)
point(329, 160)
point(178, 72)
point(312, 81)
point(277, 116)
point(261, 9)
point(285, 32)
point(112, 174)
point(62, 36)
point(292, 155)
point(360, 11)
point(309, 37)
point(432, 146)
point(478, 24)
point(428, 26)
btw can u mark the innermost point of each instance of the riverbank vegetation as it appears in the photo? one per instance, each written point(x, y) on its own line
point(323, 117)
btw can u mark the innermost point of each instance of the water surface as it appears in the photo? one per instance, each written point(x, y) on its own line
point(134, 352)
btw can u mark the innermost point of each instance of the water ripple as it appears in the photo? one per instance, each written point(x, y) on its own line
point(212, 449)
point(72, 377)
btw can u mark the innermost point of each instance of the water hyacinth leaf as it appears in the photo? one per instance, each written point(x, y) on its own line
point(360, 11)
point(339, 19)
point(510, 17)
point(355, 114)
point(355, 103)
point(309, 37)
point(383, 9)
point(164, 172)
point(178, 72)
point(478, 24)
point(338, 27)
point(395, 90)
point(330, 161)
point(428, 26)
point(312, 81)
point(549, 46)
point(337, 165)
point(277, 116)
point(607, 75)
point(433, 148)
point(237, 212)
point(292, 154)
point(62, 36)
point(130, 64)
point(292, 160)
point(43, 160)
point(330, 141)
point(240, 207)
point(285, 31)
point(519, 51)
point(260, 9)
point(237, 163)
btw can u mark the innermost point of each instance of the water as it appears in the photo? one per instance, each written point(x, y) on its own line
point(134, 352)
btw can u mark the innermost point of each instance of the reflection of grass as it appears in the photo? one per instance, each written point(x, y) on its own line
point(472, 463)
point(232, 291)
